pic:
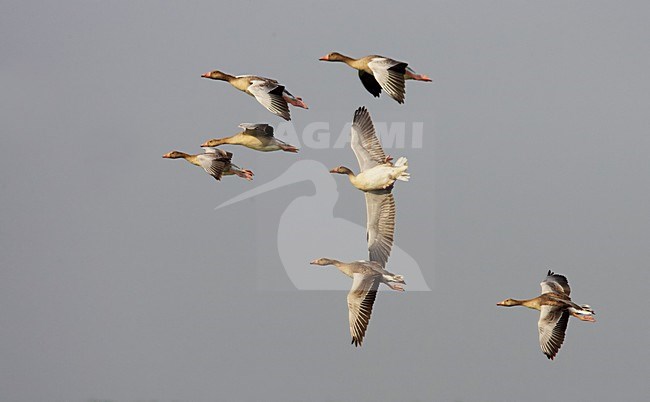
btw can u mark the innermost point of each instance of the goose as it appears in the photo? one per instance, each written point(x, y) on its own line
point(376, 180)
point(255, 136)
point(555, 307)
point(379, 72)
point(366, 277)
point(267, 91)
point(215, 162)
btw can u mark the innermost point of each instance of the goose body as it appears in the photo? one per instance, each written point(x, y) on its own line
point(254, 136)
point(379, 177)
point(215, 162)
point(271, 94)
point(366, 277)
point(555, 307)
point(379, 72)
point(376, 180)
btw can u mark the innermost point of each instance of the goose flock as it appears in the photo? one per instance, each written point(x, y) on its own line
point(376, 178)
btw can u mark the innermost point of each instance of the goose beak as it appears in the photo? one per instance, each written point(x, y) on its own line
point(206, 75)
point(324, 58)
point(205, 144)
point(313, 262)
point(166, 155)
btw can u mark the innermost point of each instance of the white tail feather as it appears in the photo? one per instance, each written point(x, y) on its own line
point(402, 161)
point(404, 177)
point(584, 310)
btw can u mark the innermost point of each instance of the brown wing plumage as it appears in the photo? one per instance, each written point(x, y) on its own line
point(215, 163)
point(380, 211)
point(360, 302)
point(389, 74)
point(552, 326)
point(364, 141)
point(555, 283)
point(269, 94)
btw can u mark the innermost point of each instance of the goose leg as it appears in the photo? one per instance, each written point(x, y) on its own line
point(288, 148)
point(395, 287)
point(588, 318)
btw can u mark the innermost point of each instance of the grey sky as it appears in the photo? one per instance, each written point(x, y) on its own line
point(119, 281)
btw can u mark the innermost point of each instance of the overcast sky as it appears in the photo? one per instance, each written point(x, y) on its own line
point(120, 281)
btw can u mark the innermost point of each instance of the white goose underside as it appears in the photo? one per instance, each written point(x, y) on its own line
point(377, 178)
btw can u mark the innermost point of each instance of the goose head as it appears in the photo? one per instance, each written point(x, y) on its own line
point(509, 303)
point(215, 142)
point(322, 261)
point(334, 56)
point(174, 155)
point(216, 75)
point(342, 170)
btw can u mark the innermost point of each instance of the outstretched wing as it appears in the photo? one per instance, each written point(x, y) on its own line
point(360, 301)
point(215, 163)
point(380, 214)
point(389, 74)
point(555, 283)
point(364, 141)
point(552, 326)
point(257, 129)
point(269, 94)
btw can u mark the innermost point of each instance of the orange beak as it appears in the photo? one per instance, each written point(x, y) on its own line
point(324, 58)
point(166, 155)
point(206, 75)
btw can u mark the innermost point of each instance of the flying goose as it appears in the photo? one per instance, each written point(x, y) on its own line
point(255, 136)
point(378, 72)
point(555, 306)
point(215, 162)
point(366, 277)
point(376, 180)
point(267, 91)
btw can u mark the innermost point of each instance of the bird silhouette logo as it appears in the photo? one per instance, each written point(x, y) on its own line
point(298, 241)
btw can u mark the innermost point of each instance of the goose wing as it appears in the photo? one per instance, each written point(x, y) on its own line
point(269, 94)
point(257, 129)
point(389, 74)
point(370, 83)
point(380, 211)
point(215, 162)
point(360, 301)
point(552, 326)
point(555, 283)
point(364, 142)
